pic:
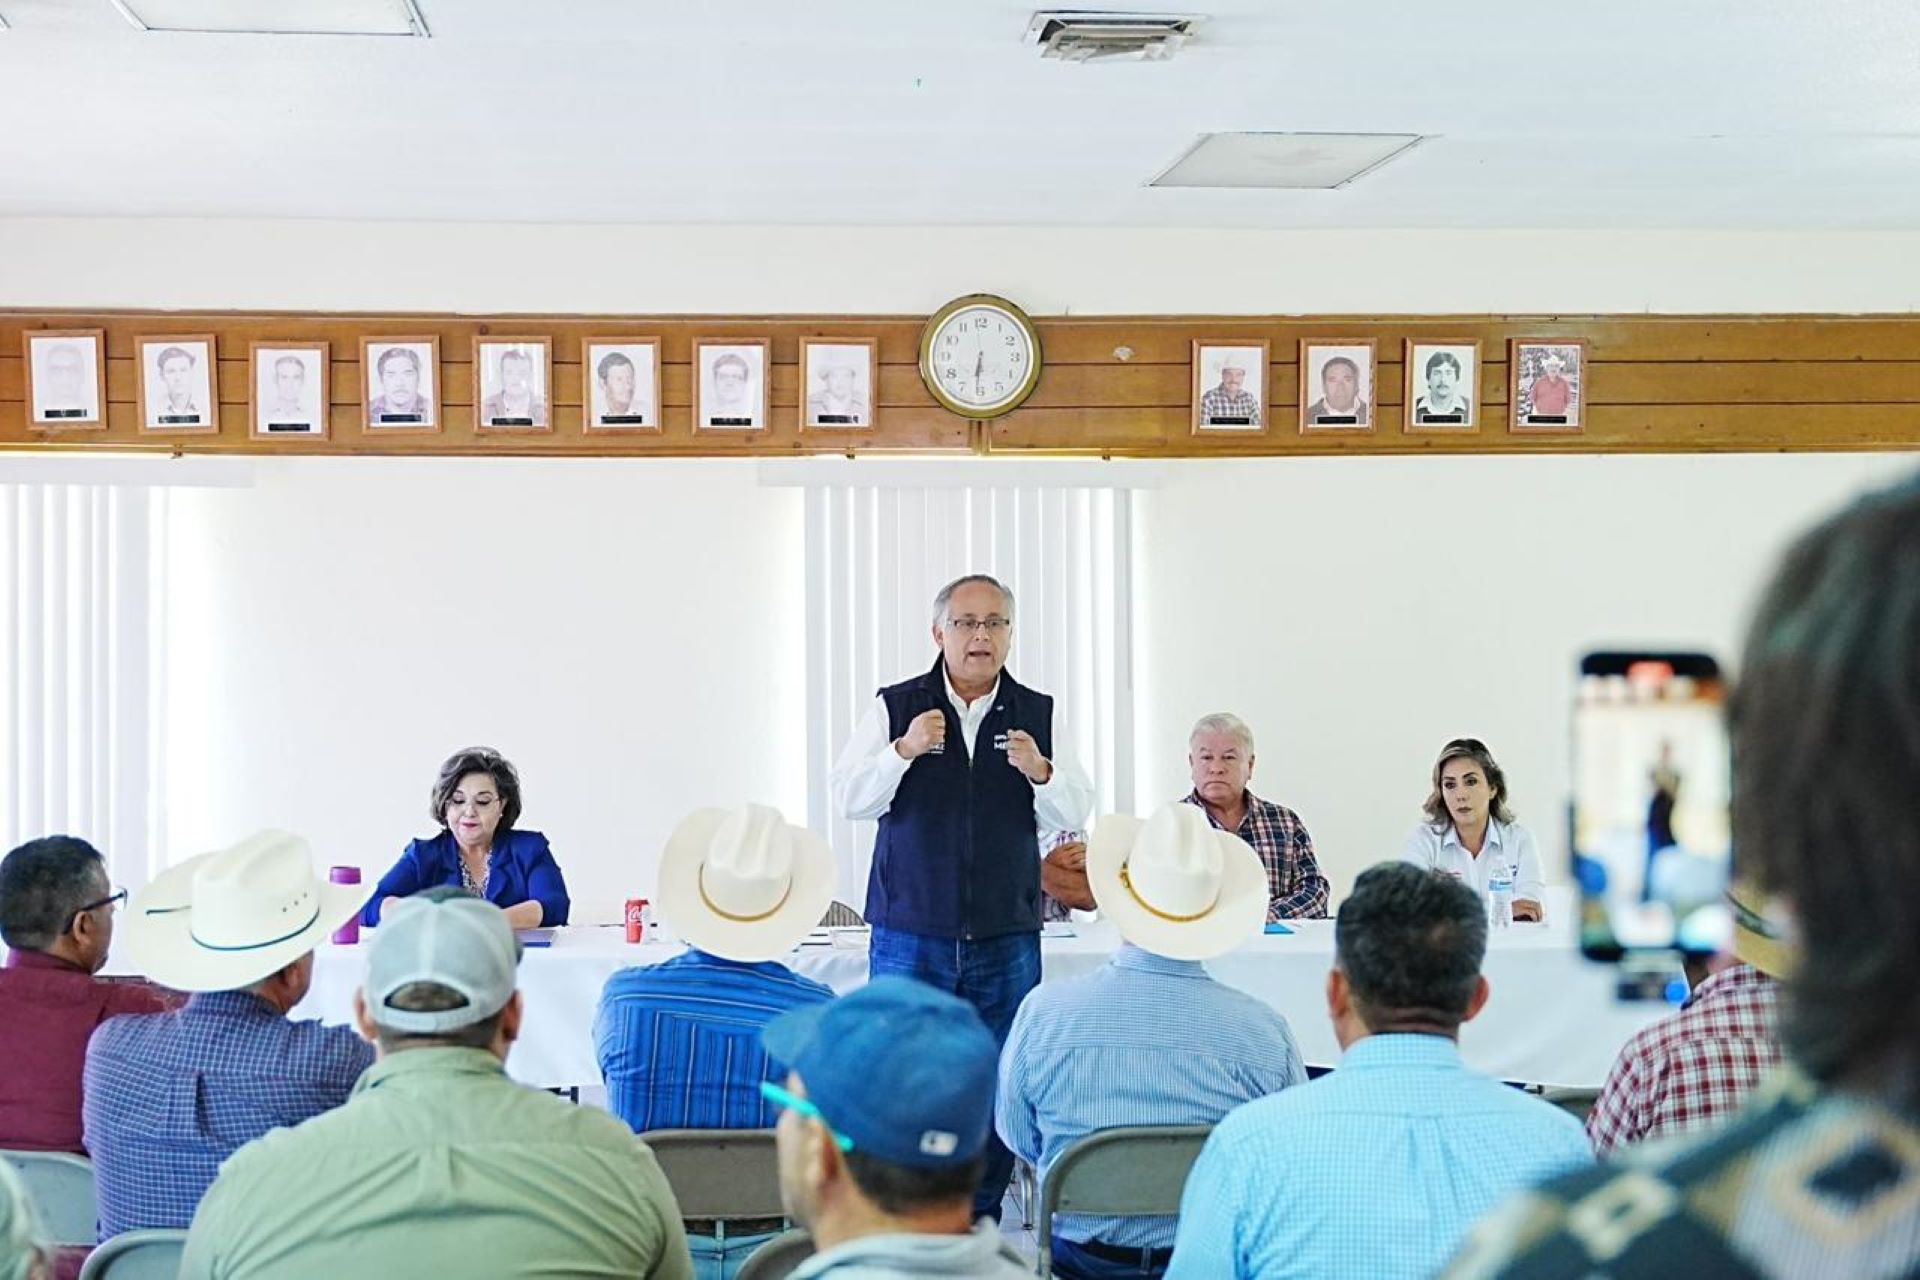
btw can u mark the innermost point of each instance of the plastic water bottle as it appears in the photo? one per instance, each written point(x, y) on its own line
point(1500, 898)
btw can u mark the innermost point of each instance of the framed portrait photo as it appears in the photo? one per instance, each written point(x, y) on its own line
point(400, 384)
point(66, 378)
point(839, 378)
point(1337, 384)
point(1230, 385)
point(1442, 376)
point(730, 384)
point(512, 384)
point(288, 389)
point(176, 384)
point(1549, 384)
point(622, 378)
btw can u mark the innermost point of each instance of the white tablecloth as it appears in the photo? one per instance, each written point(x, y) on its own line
point(1552, 1018)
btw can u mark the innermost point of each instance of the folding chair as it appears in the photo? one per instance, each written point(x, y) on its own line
point(1575, 1102)
point(137, 1255)
point(1119, 1173)
point(777, 1258)
point(720, 1175)
point(62, 1189)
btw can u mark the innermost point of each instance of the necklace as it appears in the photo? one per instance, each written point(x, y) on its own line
point(467, 878)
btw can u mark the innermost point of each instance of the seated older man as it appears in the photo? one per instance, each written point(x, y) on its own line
point(169, 1096)
point(440, 1164)
point(1076, 1061)
point(56, 915)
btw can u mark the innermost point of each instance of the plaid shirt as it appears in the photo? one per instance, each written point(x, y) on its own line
point(168, 1096)
point(1295, 888)
point(1221, 403)
point(1693, 1068)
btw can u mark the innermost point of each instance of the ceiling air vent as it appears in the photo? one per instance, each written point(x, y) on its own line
point(1098, 35)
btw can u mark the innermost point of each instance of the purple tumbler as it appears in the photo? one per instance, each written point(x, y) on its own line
point(349, 933)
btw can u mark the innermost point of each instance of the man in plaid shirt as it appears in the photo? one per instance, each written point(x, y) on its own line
point(1220, 752)
point(1696, 1067)
point(1229, 401)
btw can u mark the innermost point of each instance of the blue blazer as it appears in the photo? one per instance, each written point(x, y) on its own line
point(523, 871)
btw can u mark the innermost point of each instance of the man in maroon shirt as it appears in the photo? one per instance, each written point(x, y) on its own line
point(56, 915)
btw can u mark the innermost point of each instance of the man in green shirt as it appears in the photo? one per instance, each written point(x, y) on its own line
point(439, 1164)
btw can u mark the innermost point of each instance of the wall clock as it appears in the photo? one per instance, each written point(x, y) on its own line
point(980, 356)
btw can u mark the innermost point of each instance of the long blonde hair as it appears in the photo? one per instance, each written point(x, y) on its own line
point(1475, 750)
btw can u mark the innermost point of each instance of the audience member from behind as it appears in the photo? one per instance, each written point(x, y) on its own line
point(1378, 1169)
point(56, 915)
point(679, 1041)
point(1820, 1173)
point(1695, 1068)
point(23, 1255)
point(888, 1102)
point(1115, 1048)
point(440, 1164)
point(171, 1095)
point(1470, 833)
point(476, 801)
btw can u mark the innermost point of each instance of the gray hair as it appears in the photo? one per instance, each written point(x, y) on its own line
point(1223, 722)
point(941, 601)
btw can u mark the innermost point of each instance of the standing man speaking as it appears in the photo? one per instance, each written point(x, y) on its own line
point(962, 766)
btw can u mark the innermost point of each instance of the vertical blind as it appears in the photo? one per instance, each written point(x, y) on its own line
point(79, 653)
point(877, 554)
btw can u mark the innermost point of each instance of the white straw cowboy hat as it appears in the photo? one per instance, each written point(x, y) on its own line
point(227, 919)
point(1176, 886)
point(745, 884)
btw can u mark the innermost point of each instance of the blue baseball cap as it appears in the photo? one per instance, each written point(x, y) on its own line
point(902, 1070)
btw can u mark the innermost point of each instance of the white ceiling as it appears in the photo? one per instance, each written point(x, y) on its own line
point(1624, 113)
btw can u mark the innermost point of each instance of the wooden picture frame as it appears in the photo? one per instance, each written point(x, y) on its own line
point(1419, 352)
point(496, 409)
point(1213, 358)
point(68, 383)
point(821, 409)
point(373, 391)
point(1566, 415)
point(1317, 416)
point(712, 414)
point(273, 419)
point(597, 413)
point(202, 383)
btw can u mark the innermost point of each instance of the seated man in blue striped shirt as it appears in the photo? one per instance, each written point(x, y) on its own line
point(679, 1042)
point(1107, 1050)
point(1378, 1169)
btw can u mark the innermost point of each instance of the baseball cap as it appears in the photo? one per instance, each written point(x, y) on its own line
point(902, 1070)
point(462, 943)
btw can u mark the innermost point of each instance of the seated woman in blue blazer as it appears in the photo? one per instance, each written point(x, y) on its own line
point(476, 802)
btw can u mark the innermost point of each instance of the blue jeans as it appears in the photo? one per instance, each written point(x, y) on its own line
point(715, 1260)
point(991, 974)
point(1072, 1262)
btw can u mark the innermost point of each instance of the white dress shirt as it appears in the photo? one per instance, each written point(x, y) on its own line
point(1509, 847)
point(869, 770)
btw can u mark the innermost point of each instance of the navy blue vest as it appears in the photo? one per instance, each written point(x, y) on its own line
point(956, 855)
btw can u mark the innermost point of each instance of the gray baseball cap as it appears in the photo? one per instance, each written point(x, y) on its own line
point(462, 943)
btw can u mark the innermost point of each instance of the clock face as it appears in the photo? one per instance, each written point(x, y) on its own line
point(980, 358)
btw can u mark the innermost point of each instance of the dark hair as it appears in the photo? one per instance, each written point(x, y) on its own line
point(485, 760)
point(1825, 724)
point(174, 353)
point(609, 362)
point(395, 353)
point(43, 885)
point(899, 1189)
point(1475, 750)
point(1352, 368)
point(1410, 941)
point(1439, 358)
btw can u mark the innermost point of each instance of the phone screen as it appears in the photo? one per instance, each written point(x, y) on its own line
point(1652, 837)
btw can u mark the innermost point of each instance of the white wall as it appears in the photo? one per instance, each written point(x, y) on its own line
point(1359, 613)
point(628, 634)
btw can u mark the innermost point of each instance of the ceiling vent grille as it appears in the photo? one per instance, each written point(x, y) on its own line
point(1094, 35)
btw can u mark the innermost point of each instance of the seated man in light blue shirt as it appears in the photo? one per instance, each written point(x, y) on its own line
point(1378, 1169)
point(1109, 1049)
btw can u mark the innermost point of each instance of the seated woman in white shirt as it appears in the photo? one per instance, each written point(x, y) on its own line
point(1470, 831)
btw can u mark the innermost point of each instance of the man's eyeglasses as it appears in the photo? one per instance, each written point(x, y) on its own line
point(793, 1102)
point(113, 899)
point(992, 626)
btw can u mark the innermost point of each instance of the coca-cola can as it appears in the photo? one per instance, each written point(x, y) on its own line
point(636, 919)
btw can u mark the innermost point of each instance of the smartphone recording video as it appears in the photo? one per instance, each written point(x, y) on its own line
point(1652, 831)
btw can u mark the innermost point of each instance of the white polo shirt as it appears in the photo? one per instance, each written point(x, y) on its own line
point(1508, 846)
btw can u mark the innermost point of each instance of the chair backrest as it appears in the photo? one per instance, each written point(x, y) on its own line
point(1119, 1173)
point(720, 1173)
point(777, 1258)
point(1575, 1102)
point(62, 1189)
point(137, 1255)
point(841, 916)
